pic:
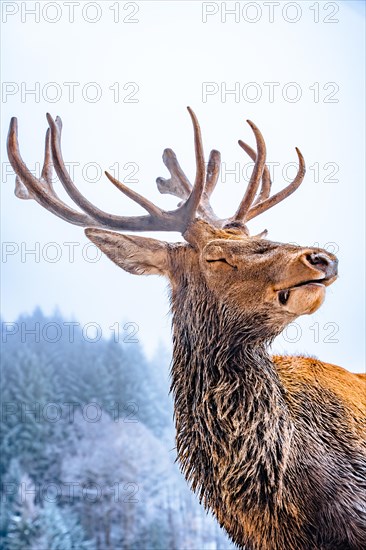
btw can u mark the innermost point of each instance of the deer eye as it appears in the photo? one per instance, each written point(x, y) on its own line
point(284, 296)
point(218, 260)
point(262, 250)
point(222, 260)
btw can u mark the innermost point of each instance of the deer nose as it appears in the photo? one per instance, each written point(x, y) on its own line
point(324, 262)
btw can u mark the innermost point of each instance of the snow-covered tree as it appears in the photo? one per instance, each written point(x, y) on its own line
point(60, 529)
point(22, 525)
point(128, 494)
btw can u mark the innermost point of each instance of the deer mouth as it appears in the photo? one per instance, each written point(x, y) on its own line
point(284, 294)
point(322, 281)
point(318, 282)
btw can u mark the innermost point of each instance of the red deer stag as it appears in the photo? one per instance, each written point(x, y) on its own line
point(273, 446)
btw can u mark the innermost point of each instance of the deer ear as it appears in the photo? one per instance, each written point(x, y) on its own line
point(137, 255)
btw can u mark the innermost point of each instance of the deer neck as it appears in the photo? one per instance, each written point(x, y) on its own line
point(233, 428)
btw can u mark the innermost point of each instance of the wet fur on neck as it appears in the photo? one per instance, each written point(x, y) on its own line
point(236, 440)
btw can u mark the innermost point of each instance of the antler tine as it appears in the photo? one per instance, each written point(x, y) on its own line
point(35, 188)
point(242, 211)
point(21, 190)
point(213, 171)
point(266, 178)
point(281, 195)
point(178, 183)
point(192, 203)
point(142, 201)
point(47, 169)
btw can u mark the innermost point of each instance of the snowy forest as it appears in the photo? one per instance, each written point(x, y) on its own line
point(87, 445)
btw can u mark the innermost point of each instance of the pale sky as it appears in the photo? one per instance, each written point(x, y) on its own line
point(120, 75)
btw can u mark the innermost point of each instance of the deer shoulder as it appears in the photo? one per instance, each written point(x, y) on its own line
point(323, 386)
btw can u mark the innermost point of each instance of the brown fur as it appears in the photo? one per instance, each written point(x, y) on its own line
point(275, 446)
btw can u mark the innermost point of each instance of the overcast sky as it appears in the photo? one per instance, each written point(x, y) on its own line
point(120, 75)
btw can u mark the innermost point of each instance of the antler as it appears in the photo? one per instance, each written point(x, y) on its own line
point(250, 208)
point(27, 186)
point(196, 198)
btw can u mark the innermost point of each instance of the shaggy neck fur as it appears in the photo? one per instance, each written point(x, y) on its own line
point(233, 427)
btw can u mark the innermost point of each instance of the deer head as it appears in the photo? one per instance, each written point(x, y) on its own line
point(250, 275)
